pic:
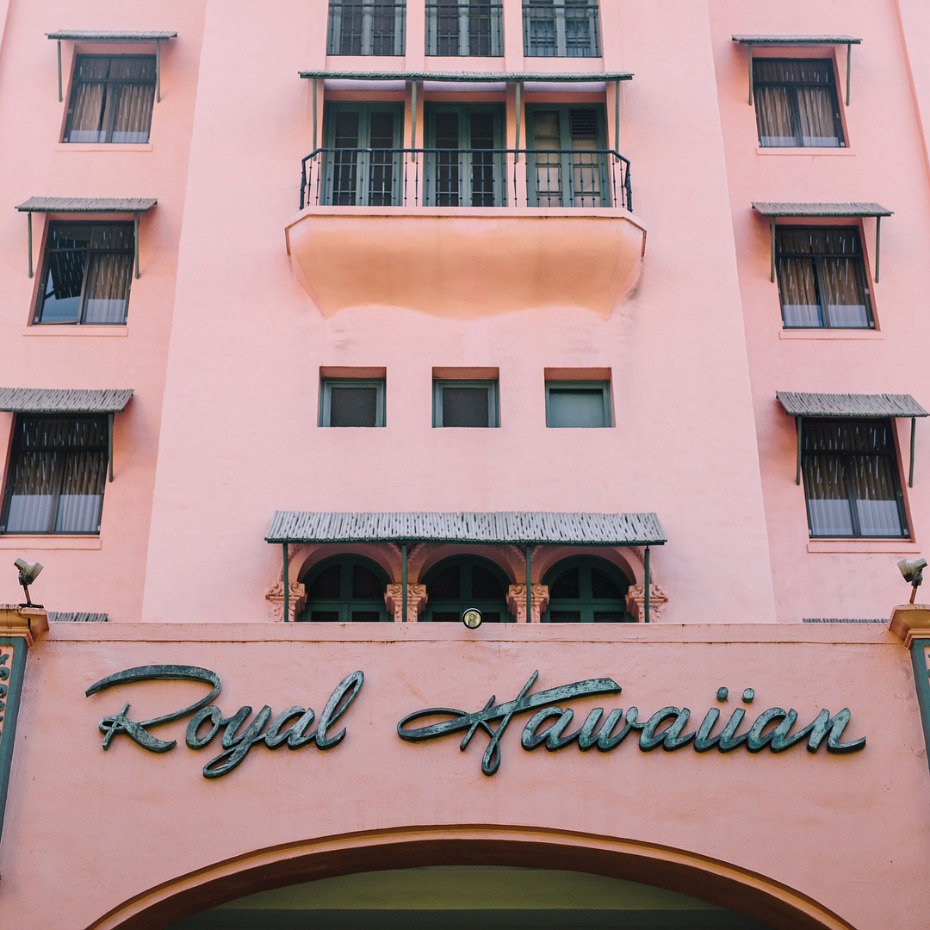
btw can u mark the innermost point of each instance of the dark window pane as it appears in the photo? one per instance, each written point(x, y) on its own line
point(485, 584)
point(324, 616)
point(566, 585)
point(365, 584)
point(446, 583)
point(353, 406)
point(603, 586)
point(576, 407)
point(327, 583)
point(465, 406)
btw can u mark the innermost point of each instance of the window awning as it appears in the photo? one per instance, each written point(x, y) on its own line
point(133, 205)
point(68, 401)
point(859, 406)
point(519, 78)
point(856, 210)
point(513, 527)
point(114, 35)
point(786, 41)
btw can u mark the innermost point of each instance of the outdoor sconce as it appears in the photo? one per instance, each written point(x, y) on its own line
point(913, 573)
point(471, 616)
point(29, 571)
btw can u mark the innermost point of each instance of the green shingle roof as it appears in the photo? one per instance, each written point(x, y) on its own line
point(478, 77)
point(111, 35)
point(533, 528)
point(796, 40)
point(820, 209)
point(849, 405)
point(87, 205)
point(63, 400)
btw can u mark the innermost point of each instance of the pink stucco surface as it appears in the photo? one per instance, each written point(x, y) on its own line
point(245, 302)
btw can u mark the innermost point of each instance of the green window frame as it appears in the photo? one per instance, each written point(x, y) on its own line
point(366, 27)
point(567, 164)
point(363, 161)
point(352, 402)
point(345, 589)
point(111, 99)
point(586, 589)
point(460, 582)
point(465, 403)
point(822, 278)
point(86, 274)
point(561, 29)
point(578, 404)
point(471, 28)
point(466, 165)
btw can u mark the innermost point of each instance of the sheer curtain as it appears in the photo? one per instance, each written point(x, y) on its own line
point(796, 103)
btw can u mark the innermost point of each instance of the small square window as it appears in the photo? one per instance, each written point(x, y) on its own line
point(87, 273)
point(352, 402)
point(111, 99)
point(465, 403)
point(796, 103)
point(584, 404)
point(822, 279)
point(57, 475)
point(851, 479)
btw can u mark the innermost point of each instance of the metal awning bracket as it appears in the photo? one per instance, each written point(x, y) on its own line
point(848, 70)
point(910, 473)
point(110, 443)
point(135, 237)
point(529, 585)
point(60, 96)
point(772, 227)
point(29, 240)
point(878, 246)
point(798, 424)
point(750, 74)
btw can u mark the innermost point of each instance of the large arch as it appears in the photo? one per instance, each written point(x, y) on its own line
point(677, 870)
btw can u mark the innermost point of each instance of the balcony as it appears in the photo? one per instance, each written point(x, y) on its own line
point(466, 232)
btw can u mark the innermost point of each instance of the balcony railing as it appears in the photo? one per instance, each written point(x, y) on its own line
point(366, 28)
point(431, 177)
point(560, 28)
point(466, 27)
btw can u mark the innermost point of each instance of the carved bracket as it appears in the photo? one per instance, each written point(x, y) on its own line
point(516, 602)
point(416, 601)
point(297, 599)
point(636, 602)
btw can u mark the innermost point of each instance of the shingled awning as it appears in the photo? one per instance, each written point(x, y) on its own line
point(859, 406)
point(517, 78)
point(114, 35)
point(521, 528)
point(853, 210)
point(68, 401)
point(511, 527)
point(125, 205)
point(793, 41)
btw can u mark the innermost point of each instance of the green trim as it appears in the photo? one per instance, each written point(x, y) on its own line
point(919, 648)
point(11, 686)
point(586, 605)
point(326, 398)
point(345, 604)
point(465, 565)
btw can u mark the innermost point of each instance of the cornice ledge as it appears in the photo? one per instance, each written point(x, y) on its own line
point(29, 622)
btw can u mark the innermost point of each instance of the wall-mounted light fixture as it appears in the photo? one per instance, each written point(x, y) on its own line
point(913, 573)
point(29, 571)
point(471, 617)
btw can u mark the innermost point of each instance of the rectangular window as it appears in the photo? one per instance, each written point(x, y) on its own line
point(57, 475)
point(560, 29)
point(851, 479)
point(352, 402)
point(822, 279)
point(567, 162)
point(796, 103)
point(584, 404)
point(111, 99)
point(363, 27)
point(86, 274)
point(464, 27)
point(465, 403)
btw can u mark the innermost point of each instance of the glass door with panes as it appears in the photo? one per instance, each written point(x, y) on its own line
point(465, 161)
point(363, 162)
point(567, 163)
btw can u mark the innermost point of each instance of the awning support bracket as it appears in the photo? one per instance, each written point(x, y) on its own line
point(750, 73)
point(529, 585)
point(772, 227)
point(403, 582)
point(29, 240)
point(313, 92)
point(800, 431)
point(285, 575)
point(848, 70)
point(60, 96)
point(910, 473)
point(519, 113)
point(878, 245)
point(646, 586)
point(158, 71)
point(135, 239)
point(110, 444)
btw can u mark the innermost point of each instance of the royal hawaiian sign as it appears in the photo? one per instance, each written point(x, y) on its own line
point(544, 718)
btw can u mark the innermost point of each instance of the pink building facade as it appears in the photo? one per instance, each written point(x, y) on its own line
point(329, 325)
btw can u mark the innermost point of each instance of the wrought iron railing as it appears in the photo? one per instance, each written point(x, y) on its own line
point(466, 27)
point(366, 28)
point(431, 177)
point(564, 28)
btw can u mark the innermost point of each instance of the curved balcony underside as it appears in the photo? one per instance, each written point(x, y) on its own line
point(465, 262)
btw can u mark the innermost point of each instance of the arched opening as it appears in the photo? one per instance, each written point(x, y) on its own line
point(344, 589)
point(585, 589)
point(737, 894)
point(466, 581)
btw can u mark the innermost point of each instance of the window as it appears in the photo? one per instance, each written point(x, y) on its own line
point(88, 268)
point(363, 160)
point(363, 27)
point(111, 99)
point(822, 278)
point(464, 27)
point(578, 404)
point(567, 164)
point(796, 103)
point(456, 584)
point(851, 478)
point(352, 402)
point(560, 28)
point(466, 166)
point(57, 475)
point(586, 590)
point(345, 589)
point(465, 403)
